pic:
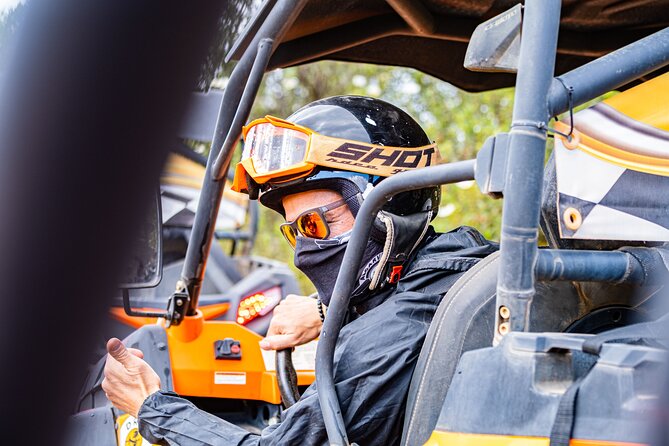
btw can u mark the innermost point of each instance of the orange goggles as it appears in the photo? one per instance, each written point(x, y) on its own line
point(276, 151)
point(311, 223)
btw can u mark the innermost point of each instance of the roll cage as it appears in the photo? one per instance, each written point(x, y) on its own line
point(286, 33)
point(600, 47)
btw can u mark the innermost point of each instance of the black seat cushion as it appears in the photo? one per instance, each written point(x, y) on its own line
point(454, 329)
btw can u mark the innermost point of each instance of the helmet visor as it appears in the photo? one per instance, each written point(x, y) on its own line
point(273, 149)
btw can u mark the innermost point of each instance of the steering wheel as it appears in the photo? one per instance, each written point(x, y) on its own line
point(286, 377)
point(286, 374)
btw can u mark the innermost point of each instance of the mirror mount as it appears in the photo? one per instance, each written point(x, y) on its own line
point(495, 44)
point(176, 307)
point(135, 313)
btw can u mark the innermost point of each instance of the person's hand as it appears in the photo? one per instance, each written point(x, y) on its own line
point(129, 380)
point(295, 322)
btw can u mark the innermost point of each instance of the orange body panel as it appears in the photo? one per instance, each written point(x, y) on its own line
point(196, 372)
point(213, 311)
point(208, 311)
point(439, 438)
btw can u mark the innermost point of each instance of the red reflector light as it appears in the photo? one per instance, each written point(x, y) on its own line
point(258, 304)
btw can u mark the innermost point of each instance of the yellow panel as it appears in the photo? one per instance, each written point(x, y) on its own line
point(439, 438)
point(647, 103)
point(614, 155)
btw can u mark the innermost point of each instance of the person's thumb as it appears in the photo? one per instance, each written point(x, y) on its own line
point(278, 342)
point(117, 350)
point(137, 352)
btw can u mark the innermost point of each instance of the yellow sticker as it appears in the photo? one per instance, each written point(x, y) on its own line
point(128, 432)
point(133, 438)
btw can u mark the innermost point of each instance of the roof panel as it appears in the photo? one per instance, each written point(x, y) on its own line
point(370, 31)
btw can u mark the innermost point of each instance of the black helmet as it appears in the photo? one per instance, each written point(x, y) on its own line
point(363, 119)
point(347, 144)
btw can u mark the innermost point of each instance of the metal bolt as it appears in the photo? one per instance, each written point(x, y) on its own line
point(572, 218)
point(180, 302)
point(504, 312)
point(161, 346)
point(503, 328)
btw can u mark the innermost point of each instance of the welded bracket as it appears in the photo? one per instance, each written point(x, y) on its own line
point(490, 173)
point(177, 305)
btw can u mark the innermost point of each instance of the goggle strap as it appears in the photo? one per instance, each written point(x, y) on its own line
point(341, 154)
point(368, 158)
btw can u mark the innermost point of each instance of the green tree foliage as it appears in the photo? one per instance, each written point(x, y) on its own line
point(458, 121)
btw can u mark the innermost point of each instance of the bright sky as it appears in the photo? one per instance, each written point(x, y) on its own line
point(7, 4)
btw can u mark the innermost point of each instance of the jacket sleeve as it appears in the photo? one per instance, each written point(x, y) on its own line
point(374, 361)
point(167, 419)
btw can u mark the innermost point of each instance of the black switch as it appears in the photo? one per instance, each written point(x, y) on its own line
point(228, 348)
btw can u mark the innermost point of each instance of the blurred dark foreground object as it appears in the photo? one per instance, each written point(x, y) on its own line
point(90, 102)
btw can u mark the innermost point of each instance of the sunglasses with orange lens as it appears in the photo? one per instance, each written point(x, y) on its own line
point(311, 223)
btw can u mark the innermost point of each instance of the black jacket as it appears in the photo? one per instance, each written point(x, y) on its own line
point(374, 360)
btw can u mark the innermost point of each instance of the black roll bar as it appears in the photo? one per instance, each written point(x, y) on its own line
point(521, 261)
point(279, 19)
point(527, 148)
point(551, 265)
point(264, 52)
point(609, 72)
point(524, 181)
point(417, 179)
point(589, 266)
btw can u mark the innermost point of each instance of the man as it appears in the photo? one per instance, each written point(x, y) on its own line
point(315, 168)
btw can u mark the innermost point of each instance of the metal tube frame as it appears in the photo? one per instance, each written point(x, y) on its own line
point(275, 26)
point(609, 72)
point(589, 266)
point(527, 148)
point(542, 98)
point(264, 52)
point(427, 177)
point(521, 261)
point(532, 110)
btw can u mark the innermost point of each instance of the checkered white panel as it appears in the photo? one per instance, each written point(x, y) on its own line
point(614, 203)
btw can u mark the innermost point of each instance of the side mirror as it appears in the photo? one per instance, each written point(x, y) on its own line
point(495, 44)
point(144, 267)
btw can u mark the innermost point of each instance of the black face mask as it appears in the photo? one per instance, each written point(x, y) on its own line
point(320, 261)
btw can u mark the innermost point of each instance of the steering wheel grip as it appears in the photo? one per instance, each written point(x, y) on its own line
point(287, 377)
